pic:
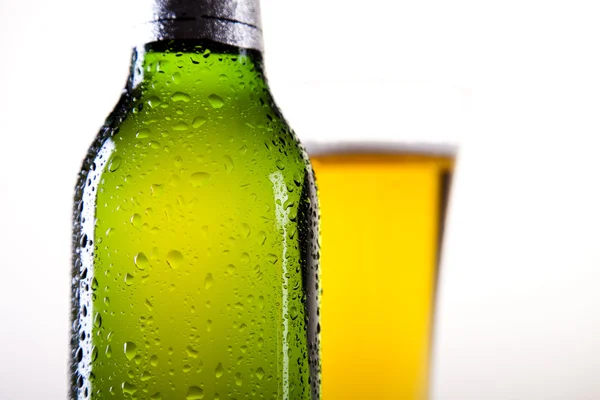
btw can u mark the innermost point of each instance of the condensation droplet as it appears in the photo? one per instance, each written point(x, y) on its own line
point(157, 190)
point(198, 122)
point(293, 312)
point(180, 96)
point(260, 373)
point(174, 259)
point(228, 163)
point(246, 230)
point(130, 350)
point(199, 179)
point(94, 353)
point(98, 320)
point(215, 101)
point(191, 352)
point(181, 126)
point(208, 281)
point(128, 388)
point(141, 261)
point(143, 133)
point(238, 379)
point(115, 163)
point(262, 237)
point(154, 101)
point(219, 370)
point(245, 258)
point(154, 361)
point(136, 220)
point(194, 393)
point(128, 279)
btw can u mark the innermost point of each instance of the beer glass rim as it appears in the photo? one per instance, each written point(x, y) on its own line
point(384, 147)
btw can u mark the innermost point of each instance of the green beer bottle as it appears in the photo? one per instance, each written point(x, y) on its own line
point(196, 225)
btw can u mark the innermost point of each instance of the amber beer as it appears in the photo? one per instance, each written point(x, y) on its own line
point(382, 221)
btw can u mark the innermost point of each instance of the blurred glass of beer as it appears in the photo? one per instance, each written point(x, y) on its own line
point(382, 208)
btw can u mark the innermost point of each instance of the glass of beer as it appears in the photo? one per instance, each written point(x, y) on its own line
point(382, 222)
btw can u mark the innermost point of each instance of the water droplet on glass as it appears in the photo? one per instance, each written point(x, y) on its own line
point(280, 165)
point(181, 126)
point(143, 133)
point(98, 320)
point(146, 376)
point(129, 279)
point(215, 101)
point(115, 163)
point(194, 393)
point(130, 350)
point(108, 351)
point(199, 179)
point(262, 237)
point(198, 122)
point(154, 361)
point(148, 304)
point(79, 354)
point(154, 101)
point(219, 370)
point(246, 230)
point(245, 258)
point(157, 190)
point(180, 96)
point(293, 312)
point(174, 259)
point(228, 163)
point(208, 281)
point(129, 388)
point(238, 379)
point(191, 352)
point(272, 258)
point(141, 261)
point(155, 145)
point(231, 269)
point(136, 220)
point(260, 373)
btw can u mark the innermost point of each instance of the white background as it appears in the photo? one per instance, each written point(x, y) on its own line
point(515, 84)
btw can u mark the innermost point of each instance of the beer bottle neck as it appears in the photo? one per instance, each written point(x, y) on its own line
point(231, 22)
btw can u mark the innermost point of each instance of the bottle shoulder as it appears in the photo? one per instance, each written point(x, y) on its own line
point(198, 136)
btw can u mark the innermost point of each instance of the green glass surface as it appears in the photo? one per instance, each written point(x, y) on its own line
point(195, 238)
